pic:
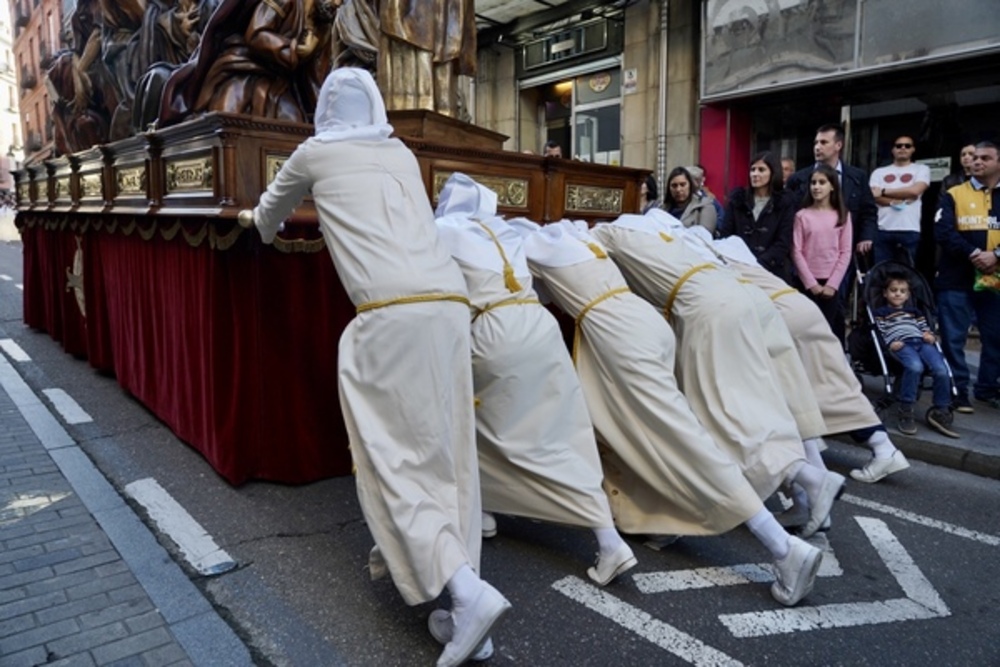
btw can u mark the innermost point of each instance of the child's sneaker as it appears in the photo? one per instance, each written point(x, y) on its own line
point(907, 425)
point(941, 419)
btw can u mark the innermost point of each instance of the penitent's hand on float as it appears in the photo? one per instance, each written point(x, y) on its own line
point(245, 218)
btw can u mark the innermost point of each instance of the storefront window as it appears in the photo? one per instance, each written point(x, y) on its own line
point(583, 115)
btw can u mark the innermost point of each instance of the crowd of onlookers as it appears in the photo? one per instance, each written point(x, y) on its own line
point(813, 226)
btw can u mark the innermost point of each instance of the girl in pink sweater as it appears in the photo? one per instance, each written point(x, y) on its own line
point(821, 245)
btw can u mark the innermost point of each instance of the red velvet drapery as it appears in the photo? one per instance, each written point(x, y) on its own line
point(235, 350)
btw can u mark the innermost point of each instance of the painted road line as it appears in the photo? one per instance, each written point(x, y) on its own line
point(64, 404)
point(949, 528)
point(664, 635)
point(19, 286)
point(4, 276)
point(13, 350)
point(197, 546)
point(921, 601)
point(733, 575)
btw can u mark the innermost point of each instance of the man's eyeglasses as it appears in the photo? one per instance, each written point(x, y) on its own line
point(904, 145)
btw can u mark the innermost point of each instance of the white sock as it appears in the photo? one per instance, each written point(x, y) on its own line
point(464, 586)
point(812, 447)
point(770, 533)
point(881, 445)
point(608, 540)
point(810, 478)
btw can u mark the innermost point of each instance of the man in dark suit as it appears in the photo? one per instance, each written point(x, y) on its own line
point(854, 186)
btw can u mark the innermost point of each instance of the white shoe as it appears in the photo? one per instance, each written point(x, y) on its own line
point(660, 542)
point(878, 469)
point(795, 574)
point(489, 526)
point(473, 624)
point(377, 567)
point(820, 506)
point(606, 569)
point(442, 628)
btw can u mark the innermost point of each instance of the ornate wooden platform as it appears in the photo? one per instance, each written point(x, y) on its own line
point(133, 260)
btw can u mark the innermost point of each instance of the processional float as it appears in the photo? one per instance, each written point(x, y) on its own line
point(171, 117)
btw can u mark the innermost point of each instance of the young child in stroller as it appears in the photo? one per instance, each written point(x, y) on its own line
point(909, 339)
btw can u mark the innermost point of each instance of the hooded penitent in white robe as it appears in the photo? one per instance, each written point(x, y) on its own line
point(723, 364)
point(838, 392)
point(403, 365)
point(664, 474)
point(537, 453)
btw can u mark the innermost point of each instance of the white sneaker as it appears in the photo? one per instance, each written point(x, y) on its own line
point(489, 526)
point(377, 567)
point(442, 628)
point(606, 569)
point(472, 625)
point(879, 469)
point(820, 506)
point(795, 574)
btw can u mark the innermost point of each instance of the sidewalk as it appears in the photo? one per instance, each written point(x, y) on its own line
point(977, 451)
point(82, 580)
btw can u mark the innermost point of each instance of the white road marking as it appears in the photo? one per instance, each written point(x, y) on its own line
point(949, 528)
point(13, 350)
point(19, 286)
point(197, 546)
point(921, 601)
point(734, 575)
point(667, 637)
point(4, 276)
point(70, 410)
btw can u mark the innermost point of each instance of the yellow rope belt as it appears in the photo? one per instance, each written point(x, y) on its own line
point(577, 332)
point(505, 302)
point(680, 282)
point(416, 298)
point(780, 293)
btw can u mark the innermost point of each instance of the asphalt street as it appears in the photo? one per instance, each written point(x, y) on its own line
point(911, 578)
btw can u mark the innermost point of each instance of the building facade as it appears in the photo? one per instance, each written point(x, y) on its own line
point(711, 82)
point(37, 38)
point(11, 141)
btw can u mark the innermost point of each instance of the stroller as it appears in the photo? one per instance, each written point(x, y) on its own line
point(868, 350)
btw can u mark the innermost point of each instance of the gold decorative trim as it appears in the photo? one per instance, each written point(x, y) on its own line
point(511, 192)
point(272, 165)
point(61, 188)
point(24, 192)
point(131, 181)
point(187, 175)
point(589, 198)
point(74, 277)
point(90, 186)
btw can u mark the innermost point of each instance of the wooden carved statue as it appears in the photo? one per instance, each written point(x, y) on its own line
point(425, 45)
point(81, 88)
point(265, 58)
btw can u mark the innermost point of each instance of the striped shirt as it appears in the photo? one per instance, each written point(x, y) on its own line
point(900, 323)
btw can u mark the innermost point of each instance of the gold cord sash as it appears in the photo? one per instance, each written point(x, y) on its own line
point(680, 283)
point(501, 304)
point(508, 271)
point(782, 292)
point(416, 298)
point(577, 332)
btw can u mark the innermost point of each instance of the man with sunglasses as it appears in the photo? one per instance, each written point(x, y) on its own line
point(897, 189)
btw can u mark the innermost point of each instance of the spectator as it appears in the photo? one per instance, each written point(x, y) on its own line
point(649, 194)
point(787, 169)
point(821, 245)
point(698, 174)
point(970, 250)
point(682, 201)
point(965, 161)
point(856, 194)
point(762, 215)
point(552, 149)
point(897, 189)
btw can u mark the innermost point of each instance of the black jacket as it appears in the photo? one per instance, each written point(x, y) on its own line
point(769, 237)
point(857, 195)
